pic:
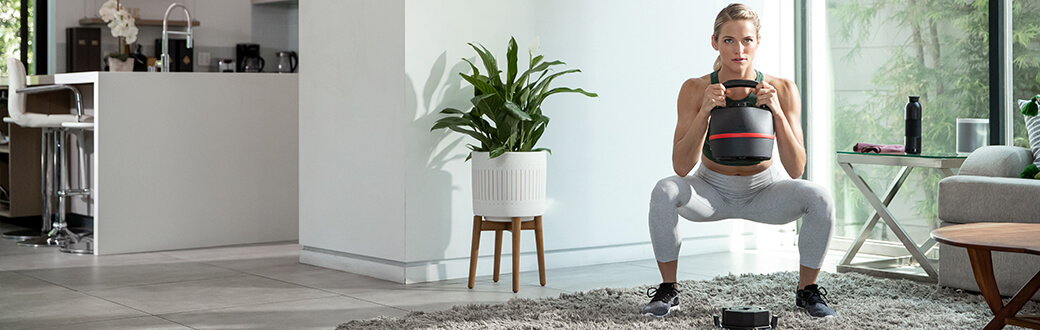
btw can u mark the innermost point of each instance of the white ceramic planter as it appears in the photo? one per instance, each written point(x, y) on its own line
point(511, 185)
point(115, 65)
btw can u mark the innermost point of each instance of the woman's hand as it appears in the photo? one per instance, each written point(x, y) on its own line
point(714, 96)
point(767, 95)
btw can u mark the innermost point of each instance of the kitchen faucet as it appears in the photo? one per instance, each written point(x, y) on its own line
point(166, 38)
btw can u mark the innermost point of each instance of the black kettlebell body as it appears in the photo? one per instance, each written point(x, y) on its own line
point(741, 132)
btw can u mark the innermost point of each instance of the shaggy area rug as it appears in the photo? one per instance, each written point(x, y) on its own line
point(862, 302)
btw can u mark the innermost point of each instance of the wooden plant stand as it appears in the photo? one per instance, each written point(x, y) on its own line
point(514, 226)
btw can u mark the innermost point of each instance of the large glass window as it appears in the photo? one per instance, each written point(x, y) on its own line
point(1025, 73)
point(12, 32)
point(880, 52)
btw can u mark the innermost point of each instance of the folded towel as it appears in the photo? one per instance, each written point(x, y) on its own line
point(879, 148)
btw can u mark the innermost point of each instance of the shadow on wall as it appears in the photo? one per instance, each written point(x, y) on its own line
point(430, 186)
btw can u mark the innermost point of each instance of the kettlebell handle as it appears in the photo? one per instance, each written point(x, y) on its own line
point(742, 83)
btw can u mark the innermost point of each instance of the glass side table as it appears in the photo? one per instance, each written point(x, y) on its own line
point(898, 267)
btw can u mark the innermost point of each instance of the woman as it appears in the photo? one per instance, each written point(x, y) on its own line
point(752, 190)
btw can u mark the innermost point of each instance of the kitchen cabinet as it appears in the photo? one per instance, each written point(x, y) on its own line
point(176, 160)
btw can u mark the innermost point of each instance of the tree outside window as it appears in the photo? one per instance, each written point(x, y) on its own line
point(885, 50)
point(10, 31)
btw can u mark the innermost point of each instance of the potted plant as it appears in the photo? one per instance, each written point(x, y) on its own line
point(124, 28)
point(506, 120)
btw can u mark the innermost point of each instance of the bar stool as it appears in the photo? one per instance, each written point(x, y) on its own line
point(55, 128)
point(84, 243)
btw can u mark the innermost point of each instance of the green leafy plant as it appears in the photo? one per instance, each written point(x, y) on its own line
point(506, 115)
point(118, 56)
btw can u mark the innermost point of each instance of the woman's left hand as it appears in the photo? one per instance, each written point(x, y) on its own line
point(766, 95)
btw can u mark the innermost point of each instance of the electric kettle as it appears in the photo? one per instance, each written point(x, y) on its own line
point(253, 64)
point(287, 62)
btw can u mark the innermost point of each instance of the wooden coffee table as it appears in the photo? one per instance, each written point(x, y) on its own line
point(981, 239)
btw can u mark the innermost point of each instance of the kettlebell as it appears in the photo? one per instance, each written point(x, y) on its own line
point(741, 132)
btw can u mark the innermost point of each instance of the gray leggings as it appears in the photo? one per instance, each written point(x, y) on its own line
point(766, 197)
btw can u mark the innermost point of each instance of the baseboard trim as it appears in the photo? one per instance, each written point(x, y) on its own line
point(452, 268)
point(354, 263)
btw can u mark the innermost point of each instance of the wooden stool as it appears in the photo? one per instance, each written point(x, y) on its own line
point(515, 226)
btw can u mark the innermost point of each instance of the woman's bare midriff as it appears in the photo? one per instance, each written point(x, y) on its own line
point(736, 170)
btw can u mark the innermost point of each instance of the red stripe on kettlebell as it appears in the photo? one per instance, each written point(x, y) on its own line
point(740, 135)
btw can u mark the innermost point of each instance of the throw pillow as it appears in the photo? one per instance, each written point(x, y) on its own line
point(1029, 111)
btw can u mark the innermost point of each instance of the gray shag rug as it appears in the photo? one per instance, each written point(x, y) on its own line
point(862, 302)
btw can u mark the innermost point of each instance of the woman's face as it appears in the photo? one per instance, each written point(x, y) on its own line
point(737, 42)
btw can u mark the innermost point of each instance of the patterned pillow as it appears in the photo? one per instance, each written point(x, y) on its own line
point(1029, 111)
point(1033, 127)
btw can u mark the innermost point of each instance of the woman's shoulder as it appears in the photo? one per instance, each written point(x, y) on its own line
point(697, 83)
point(779, 83)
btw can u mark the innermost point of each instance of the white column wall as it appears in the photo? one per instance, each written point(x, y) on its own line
point(352, 134)
point(608, 152)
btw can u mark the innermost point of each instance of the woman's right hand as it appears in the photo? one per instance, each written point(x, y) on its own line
point(714, 96)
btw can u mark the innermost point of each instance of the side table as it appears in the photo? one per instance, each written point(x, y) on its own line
point(980, 239)
point(891, 267)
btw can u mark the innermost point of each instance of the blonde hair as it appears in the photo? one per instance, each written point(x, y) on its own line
point(733, 12)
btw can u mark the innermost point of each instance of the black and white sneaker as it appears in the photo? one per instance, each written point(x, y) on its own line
point(665, 299)
point(811, 298)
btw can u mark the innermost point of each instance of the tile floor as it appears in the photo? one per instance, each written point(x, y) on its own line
point(264, 286)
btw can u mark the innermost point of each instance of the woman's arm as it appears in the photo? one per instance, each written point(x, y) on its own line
point(694, 108)
point(786, 105)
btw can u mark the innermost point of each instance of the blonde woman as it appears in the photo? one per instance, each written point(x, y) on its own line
point(753, 190)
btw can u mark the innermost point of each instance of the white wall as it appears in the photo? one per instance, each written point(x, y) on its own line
point(608, 152)
point(352, 138)
point(222, 24)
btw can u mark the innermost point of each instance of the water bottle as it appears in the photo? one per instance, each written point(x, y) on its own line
point(913, 126)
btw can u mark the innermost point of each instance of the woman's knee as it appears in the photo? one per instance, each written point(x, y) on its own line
point(668, 190)
point(819, 200)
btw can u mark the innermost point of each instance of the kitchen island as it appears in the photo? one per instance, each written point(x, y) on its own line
point(187, 160)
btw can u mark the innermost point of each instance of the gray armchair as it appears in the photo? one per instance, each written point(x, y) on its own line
point(988, 189)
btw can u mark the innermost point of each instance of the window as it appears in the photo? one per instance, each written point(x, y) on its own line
point(1025, 68)
point(21, 31)
point(874, 54)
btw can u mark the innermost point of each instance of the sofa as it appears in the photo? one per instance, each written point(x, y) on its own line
point(988, 189)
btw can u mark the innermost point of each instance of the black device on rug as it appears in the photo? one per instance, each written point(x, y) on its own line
point(742, 131)
point(746, 318)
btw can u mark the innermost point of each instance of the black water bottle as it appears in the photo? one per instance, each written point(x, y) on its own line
point(913, 126)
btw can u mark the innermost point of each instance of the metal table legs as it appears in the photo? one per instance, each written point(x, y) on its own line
point(917, 252)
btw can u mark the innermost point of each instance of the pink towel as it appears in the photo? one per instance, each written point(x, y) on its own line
point(879, 148)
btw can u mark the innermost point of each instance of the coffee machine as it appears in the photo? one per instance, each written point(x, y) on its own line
point(244, 51)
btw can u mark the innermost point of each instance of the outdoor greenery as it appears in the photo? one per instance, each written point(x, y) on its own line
point(944, 58)
point(506, 115)
point(10, 22)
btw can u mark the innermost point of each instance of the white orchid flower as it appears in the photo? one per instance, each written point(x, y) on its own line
point(131, 34)
point(119, 20)
point(108, 10)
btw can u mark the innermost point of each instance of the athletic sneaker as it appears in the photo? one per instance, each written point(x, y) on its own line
point(665, 299)
point(811, 298)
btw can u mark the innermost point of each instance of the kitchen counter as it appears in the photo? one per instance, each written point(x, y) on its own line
point(187, 160)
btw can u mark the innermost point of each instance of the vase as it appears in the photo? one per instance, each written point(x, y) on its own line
point(511, 185)
point(115, 65)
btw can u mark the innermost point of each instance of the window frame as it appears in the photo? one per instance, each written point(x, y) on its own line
point(39, 62)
